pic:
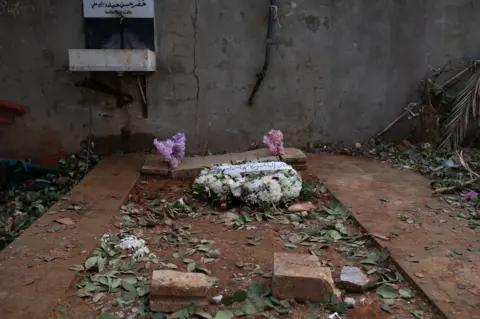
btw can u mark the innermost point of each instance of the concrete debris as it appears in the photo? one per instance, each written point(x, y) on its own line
point(353, 279)
point(301, 277)
point(173, 290)
point(294, 217)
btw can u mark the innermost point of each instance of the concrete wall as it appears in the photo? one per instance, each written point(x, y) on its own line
point(340, 71)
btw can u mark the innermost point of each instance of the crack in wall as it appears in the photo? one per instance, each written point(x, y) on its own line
point(195, 25)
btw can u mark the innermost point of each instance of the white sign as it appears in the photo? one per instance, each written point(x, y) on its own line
point(118, 9)
point(255, 167)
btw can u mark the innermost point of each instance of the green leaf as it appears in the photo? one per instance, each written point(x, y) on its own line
point(130, 295)
point(183, 314)
point(341, 228)
point(128, 286)
point(142, 291)
point(457, 251)
point(290, 245)
point(188, 261)
point(249, 307)
point(115, 283)
point(254, 290)
point(203, 315)
point(406, 294)
point(386, 308)
point(417, 314)
point(311, 316)
point(92, 261)
point(159, 315)
point(100, 263)
point(107, 316)
point(130, 280)
point(334, 300)
point(203, 270)
point(240, 296)
point(224, 314)
point(208, 260)
point(372, 259)
point(334, 235)
point(387, 292)
point(77, 268)
point(191, 267)
point(98, 296)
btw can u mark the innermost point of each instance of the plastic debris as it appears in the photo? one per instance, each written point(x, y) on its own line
point(334, 316)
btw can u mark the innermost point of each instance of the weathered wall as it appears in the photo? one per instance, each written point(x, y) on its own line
point(340, 71)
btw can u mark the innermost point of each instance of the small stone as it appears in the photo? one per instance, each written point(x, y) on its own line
point(353, 279)
point(358, 145)
point(304, 214)
point(62, 180)
point(294, 217)
point(301, 277)
point(214, 253)
point(350, 301)
point(217, 299)
point(298, 208)
point(389, 301)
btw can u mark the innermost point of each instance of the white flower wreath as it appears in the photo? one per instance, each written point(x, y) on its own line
point(277, 182)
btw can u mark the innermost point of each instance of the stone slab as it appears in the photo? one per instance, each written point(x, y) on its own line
point(448, 282)
point(178, 284)
point(172, 304)
point(301, 276)
point(192, 166)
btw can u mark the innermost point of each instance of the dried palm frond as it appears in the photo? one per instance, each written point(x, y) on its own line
point(466, 103)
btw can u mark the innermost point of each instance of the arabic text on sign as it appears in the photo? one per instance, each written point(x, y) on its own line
point(114, 8)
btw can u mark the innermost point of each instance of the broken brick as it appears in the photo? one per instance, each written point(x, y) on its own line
point(301, 277)
point(173, 290)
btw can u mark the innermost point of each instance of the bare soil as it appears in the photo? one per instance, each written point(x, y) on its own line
point(244, 256)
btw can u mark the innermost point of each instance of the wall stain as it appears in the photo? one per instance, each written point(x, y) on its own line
point(326, 23)
point(312, 22)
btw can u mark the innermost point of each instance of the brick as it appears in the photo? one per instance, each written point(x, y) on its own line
point(155, 165)
point(294, 156)
point(171, 283)
point(172, 304)
point(301, 277)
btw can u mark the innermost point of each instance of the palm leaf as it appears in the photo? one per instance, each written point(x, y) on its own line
point(466, 103)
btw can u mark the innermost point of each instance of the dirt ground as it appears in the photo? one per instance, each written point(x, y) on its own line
point(239, 257)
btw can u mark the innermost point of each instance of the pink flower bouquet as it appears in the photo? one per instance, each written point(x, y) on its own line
point(274, 141)
point(172, 150)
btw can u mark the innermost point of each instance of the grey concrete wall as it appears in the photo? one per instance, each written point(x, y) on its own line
point(340, 71)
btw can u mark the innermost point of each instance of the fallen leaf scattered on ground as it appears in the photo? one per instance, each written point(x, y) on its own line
point(65, 221)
